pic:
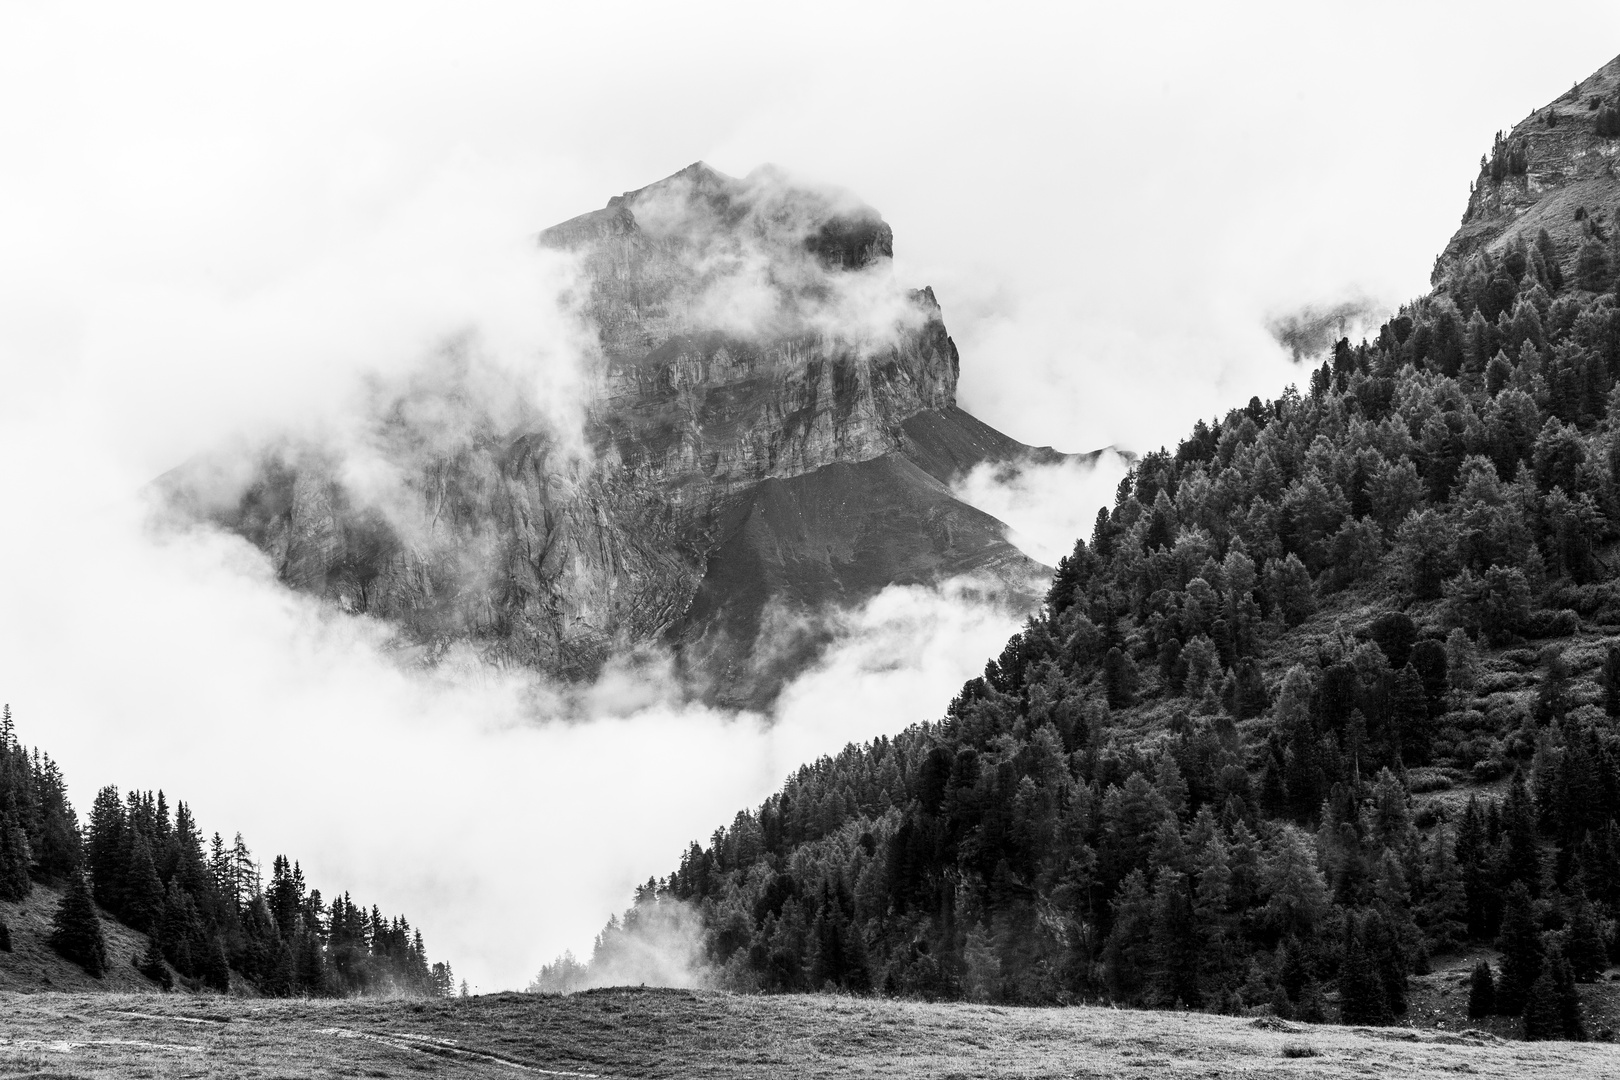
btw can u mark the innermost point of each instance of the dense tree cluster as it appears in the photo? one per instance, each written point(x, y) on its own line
point(1204, 775)
point(205, 908)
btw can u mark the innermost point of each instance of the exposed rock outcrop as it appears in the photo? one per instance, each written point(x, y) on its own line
point(771, 429)
point(1554, 162)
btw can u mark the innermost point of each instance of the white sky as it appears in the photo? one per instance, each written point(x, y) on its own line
point(211, 221)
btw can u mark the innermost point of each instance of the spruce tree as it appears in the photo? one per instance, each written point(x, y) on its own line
point(280, 978)
point(1541, 1014)
point(1571, 1016)
point(15, 883)
point(1521, 857)
point(1293, 971)
point(1549, 255)
point(216, 970)
point(1361, 991)
point(1584, 950)
point(5, 936)
point(143, 889)
point(1312, 1005)
point(152, 966)
point(1610, 680)
point(1478, 879)
point(1520, 942)
point(107, 848)
point(1592, 266)
point(1481, 992)
point(76, 930)
point(1409, 716)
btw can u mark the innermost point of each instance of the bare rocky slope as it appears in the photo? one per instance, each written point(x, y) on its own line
point(1553, 163)
point(771, 428)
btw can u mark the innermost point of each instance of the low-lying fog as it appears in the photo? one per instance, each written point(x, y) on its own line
point(215, 222)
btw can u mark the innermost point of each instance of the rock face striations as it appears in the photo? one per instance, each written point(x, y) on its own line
point(1555, 171)
point(769, 429)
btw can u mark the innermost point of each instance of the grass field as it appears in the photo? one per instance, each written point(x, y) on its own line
point(679, 1033)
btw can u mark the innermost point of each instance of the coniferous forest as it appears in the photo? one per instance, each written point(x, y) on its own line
point(206, 910)
point(1330, 691)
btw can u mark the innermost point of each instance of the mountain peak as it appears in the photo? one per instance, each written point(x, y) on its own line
point(1555, 170)
point(771, 425)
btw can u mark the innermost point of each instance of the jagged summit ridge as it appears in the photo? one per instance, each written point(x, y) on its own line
point(771, 429)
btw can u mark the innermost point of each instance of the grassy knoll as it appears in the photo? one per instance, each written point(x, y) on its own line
point(677, 1033)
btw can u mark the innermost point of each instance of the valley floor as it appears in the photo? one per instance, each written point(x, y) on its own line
point(679, 1033)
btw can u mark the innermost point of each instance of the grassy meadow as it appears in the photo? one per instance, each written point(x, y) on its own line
point(681, 1033)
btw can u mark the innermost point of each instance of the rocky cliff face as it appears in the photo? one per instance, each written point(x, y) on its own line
point(749, 329)
point(770, 428)
point(1555, 171)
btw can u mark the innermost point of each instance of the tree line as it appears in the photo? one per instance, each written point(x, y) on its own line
point(204, 906)
point(1224, 767)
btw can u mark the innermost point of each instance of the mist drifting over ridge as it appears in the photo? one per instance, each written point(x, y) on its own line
point(193, 265)
point(356, 711)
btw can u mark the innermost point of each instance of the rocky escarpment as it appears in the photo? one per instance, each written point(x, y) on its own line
point(770, 429)
point(1555, 170)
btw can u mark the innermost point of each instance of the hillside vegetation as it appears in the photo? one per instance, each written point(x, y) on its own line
point(134, 900)
point(1328, 693)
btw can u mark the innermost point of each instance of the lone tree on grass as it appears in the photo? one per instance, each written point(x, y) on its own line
point(76, 931)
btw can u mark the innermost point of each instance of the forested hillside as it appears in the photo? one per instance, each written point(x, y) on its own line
point(208, 915)
point(1330, 691)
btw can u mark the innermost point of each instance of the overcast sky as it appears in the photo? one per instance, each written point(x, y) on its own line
point(212, 222)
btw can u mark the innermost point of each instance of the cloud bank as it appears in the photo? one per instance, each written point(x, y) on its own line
point(216, 222)
point(1046, 505)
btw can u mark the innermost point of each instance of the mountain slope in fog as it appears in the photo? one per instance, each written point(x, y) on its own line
point(770, 428)
point(1327, 702)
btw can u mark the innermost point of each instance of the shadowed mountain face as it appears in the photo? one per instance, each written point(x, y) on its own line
point(770, 429)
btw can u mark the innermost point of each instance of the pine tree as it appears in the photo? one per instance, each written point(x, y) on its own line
point(15, 883)
point(1610, 680)
point(1520, 943)
point(1443, 913)
point(280, 979)
point(76, 930)
point(152, 966)
point(143, 889)
point(1409, 716)
point(1120, 678)
point(1571, 1016)
point(1312, 1005)
point(57, 853)
point(1521, 856)
point(1541, 1012)
point(1584, 950)
point(1174, 942)
point(216, 970)
point(1592, 266)
point(1549, 255)
point(1361, 991)
point(1481, 992)
point(1473, 857)
point(1293, 971)
point(311, 964)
